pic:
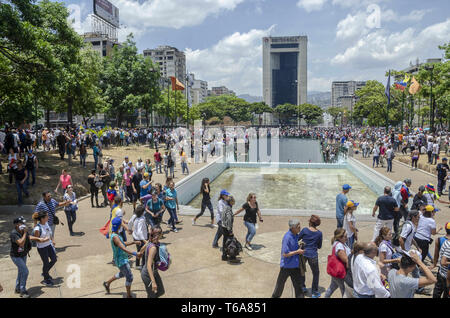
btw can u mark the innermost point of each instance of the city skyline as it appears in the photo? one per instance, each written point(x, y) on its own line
point(346, 41)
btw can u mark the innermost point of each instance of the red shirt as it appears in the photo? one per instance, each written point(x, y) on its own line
point(157, 156)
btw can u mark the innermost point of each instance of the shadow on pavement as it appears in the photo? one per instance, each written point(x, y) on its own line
point(257, 247)
point(63, 249)
point(35, 291)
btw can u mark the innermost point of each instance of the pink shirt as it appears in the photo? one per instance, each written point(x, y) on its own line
point(65, 180)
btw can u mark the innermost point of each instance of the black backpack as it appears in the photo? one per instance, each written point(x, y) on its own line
point(233, 247)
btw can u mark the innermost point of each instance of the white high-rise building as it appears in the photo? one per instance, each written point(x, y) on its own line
point(199, 90)
point(171, 61)
point(285, 70)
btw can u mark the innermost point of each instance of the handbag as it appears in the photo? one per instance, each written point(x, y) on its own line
point(335, 267)
point(55, 220)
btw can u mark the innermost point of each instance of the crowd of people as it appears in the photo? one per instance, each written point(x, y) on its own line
point(379, 268)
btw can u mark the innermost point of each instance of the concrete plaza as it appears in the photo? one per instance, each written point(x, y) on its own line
point(197, 269)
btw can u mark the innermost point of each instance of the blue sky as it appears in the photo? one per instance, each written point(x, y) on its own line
point(347, 39)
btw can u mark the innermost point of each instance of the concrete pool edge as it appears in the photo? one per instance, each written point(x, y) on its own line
point(188, 188)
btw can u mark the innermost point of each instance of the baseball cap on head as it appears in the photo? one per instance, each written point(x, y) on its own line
point(430, 187)
point(346, 187)
point(447, 226)
point(19, 220)
point(352, 204)
point(115, 223)
point(429, 208)
point(146, 174)
point(421, 188)
point(224, 192)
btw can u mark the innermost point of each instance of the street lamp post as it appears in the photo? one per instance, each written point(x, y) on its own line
point(295, 84)
point(430, 68)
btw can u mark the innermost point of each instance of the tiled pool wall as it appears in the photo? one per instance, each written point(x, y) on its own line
point(189, 187)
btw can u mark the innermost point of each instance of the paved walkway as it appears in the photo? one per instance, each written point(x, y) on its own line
point(196, 270)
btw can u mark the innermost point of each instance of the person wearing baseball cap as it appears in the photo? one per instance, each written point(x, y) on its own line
point(442, 173)
point(341, 201)
point(20, 246)
point(120, 256)
point(425, 229)
point(221, 205)
point(349, 224)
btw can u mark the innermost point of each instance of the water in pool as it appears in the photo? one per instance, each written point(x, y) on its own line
point(302, 189)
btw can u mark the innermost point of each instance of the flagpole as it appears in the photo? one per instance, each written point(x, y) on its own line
point(388, 95)
point(403, 106)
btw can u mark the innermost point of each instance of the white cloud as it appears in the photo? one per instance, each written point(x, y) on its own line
point(362, 22)
point(352, 26)
point(413, 16)
point(381, 48)
point(311, 5)
point(235, 62)
point(171, 14)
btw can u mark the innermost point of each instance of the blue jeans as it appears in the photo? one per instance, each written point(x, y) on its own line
point(173, 217)
point(377, 160)
point(251, 231)
point(32, 173)
point(95, 162)
point(83, 160)
point(125, 271)
point(158, 165)
point(351, 241)
point(340, 222)
point(22, 276)
point(218, 234)
point(184, 167)
point(314, 265)
point(389, 165)
point(21, 188)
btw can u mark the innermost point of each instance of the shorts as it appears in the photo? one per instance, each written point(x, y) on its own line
point(125, 271)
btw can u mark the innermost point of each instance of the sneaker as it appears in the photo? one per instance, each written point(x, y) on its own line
point(24, 294)
point(175, 230)
point(305, 290)
point(193, 221)
point(17, 291)
point(215, 246)
point(315, 295)
point(249, 247)
point(215, 225)
point(224, 258)
point(47, 282)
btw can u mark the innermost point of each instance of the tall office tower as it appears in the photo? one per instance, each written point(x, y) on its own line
point(285, 70)
point(171, 61)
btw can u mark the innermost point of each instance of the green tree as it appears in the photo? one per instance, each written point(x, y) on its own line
point(121, 82)
point(311, 113)
point(260, 108)
point(285, 112)
point(225, 105)
point(335, 113)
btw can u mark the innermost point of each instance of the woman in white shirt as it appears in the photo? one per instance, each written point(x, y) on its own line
point(46, 249)
point(425, 229)
point(138, 227)
point(349, 224)
point(385, 250)
point(342, 251)
point(71, 208)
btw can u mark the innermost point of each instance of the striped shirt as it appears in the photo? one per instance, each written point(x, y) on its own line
point(49, 207)
point(445, 251)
